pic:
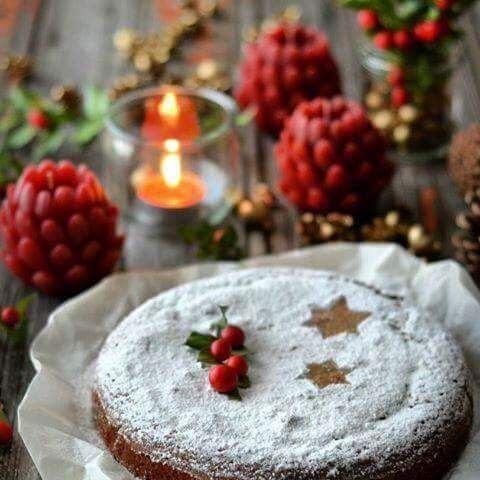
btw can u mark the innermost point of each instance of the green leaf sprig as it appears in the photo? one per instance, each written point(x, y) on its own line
point(18, 333)
point(202, 343)
point(64, 124)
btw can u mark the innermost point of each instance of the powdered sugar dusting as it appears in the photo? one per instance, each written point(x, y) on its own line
point(406, 374)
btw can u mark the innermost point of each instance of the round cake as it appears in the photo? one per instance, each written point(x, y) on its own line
point(347, 383)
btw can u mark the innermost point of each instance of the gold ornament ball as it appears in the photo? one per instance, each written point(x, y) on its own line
point(125, 41)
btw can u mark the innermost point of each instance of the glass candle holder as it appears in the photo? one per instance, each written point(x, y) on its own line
point(171, 155)
point(417, 118)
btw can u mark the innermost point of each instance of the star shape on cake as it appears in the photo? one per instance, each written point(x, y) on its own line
point(336, 319)
point(326, 373)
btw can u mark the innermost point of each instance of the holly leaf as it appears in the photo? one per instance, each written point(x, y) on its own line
point(10, 119)
point(199, 341)
point(18, 334)
point(95, 103)
point(245, 117)
point(22, 99)
point(48, 143)
point(87, 131)
point(244, 382)
point(241, 351)
point(205, 357)
point(21, 137)
point(235, 395)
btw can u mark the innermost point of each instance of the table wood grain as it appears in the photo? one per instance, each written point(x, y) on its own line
point(71, 42)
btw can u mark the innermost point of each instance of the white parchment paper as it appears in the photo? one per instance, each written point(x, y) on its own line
point(55, 418)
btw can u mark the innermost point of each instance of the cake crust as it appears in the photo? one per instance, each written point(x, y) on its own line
point(429, 439)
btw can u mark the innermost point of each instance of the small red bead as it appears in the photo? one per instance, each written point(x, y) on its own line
point(6, 433)
point(429, 31)
point(399, 96)
point(221, 349)
point(38, 119)
point(10, 316)
point(403, 39)
point(383, 40)
point(238, 363)
point(223, 378)
point(64, 199)
point(233, 335)
point(396, 76)
point(444, 4)
point(368, 19)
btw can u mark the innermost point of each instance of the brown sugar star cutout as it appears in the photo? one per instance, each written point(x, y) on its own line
point(337, 319)
point(327, 373)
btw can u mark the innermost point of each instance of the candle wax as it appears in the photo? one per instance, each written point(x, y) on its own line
point(189, 192)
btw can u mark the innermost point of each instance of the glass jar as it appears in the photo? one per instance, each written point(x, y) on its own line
point(409, 98)
point(163, 176)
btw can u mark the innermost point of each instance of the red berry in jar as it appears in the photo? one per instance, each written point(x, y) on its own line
point(6, 432)
point(444, 4)
point(383, 40)
point(396, 76)
point(10, 316)
point(238, 363)
point(223, 378)
point(429, 31)
point(220, 349)
point(233, 335)
point(38, 119)
point(403, 39)
point(399, 96)
point(367, 19)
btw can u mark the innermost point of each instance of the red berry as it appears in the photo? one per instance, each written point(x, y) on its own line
point(383, 40)
point(403, 39)
point(233, 335)
point(429, 31)
point(368, 19)
point(223, 378)
point(396, 76)
point(238, 363)
point(10, 316)
point(221, 349)
point(444, 4)
point(399, 96)
point(38, 119)
point(6, 432)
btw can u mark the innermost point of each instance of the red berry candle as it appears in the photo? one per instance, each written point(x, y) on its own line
point(284, 66)
point(332, 158)
point(58, 228)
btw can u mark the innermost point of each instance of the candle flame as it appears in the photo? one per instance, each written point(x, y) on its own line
point(169, 107)
point(170, 164)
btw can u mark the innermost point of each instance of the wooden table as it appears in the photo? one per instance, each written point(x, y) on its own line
point(71, 41)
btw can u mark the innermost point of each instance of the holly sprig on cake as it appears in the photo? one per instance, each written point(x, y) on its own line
point(224, 349)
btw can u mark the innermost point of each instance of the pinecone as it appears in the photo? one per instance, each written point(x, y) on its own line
point(286, 65)
point(58, 228)
point(464, 161)
point(466, 241)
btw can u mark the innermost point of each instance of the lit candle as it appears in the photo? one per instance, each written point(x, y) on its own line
point(170, 117)
point(171, 188)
